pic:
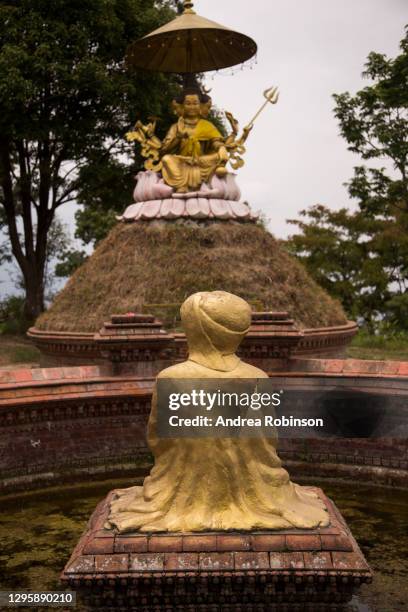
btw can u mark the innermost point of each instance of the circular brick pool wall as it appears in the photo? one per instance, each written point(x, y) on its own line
point(78, 423)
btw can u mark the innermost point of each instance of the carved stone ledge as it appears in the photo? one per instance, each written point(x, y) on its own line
point(133, 337)
point(272, 336)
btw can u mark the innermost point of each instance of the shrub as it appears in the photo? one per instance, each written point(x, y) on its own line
point(12, 318)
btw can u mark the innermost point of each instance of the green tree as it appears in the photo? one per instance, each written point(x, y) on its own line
point(339, 248)
point(362, 257)
point(62, 258)
point(66, 99)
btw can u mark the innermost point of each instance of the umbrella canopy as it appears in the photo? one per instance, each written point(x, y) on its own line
point(190, 44)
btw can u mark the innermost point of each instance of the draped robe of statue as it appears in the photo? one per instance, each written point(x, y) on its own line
point(207, 484)
point(191, 161)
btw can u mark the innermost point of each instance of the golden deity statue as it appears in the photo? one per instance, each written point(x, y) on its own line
point(192, 159)
point(193, 149)
point(214, 484)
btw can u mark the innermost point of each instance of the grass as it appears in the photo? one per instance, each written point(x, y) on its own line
point(17, 350)
point(140, 264)
point(365, 346)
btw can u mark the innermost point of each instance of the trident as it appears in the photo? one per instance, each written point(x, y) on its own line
point(272, 96)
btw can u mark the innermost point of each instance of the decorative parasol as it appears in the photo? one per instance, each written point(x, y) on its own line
point(190, 44)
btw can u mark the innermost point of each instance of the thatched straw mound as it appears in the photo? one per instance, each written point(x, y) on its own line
point(138, 266)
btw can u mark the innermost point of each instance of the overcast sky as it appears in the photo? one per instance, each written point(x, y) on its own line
point(311, 49)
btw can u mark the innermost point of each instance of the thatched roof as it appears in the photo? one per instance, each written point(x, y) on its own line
point(139, 265)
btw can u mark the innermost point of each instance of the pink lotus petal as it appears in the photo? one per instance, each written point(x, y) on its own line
point(240, 210)
point(207, 192)
point(138, 191)
point(179, 208)
point(204, 207)
point(197, 208)
point(132, 212)
point(152, 179)
point(150, 210)
point(233, 192)
point(220, 209)
point(166, 208)
point(173, 209)
point(160, 191)
point(219, 185)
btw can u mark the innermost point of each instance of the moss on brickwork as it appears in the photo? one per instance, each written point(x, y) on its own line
point(139, 264)
point(38, 532)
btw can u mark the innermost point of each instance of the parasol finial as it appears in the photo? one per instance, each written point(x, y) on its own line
point(188, 7)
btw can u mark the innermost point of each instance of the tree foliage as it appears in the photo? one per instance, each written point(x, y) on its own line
point(66, 99)
point(361, 257)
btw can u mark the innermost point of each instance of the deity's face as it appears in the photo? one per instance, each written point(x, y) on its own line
point(191, 106)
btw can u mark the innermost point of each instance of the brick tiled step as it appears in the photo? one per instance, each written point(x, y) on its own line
point(311, 566)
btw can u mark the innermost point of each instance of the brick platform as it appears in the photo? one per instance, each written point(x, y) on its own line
point(270, 337)
point(292, 569)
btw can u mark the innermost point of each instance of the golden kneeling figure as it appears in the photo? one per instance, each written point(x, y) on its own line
point(214, 484)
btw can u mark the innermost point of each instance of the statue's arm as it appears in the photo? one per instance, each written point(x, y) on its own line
point(218, 146)
point(217, 143)
point(171, 141)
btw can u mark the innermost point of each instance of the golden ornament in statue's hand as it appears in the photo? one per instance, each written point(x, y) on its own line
point(223, 154)
point(246, 131)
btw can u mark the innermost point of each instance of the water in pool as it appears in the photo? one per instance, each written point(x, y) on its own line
point(39, 530)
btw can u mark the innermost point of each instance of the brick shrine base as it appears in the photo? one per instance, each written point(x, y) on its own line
point(283, 570)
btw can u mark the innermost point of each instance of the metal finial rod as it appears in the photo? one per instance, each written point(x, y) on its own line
point(188, 6)
point(272, 96)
